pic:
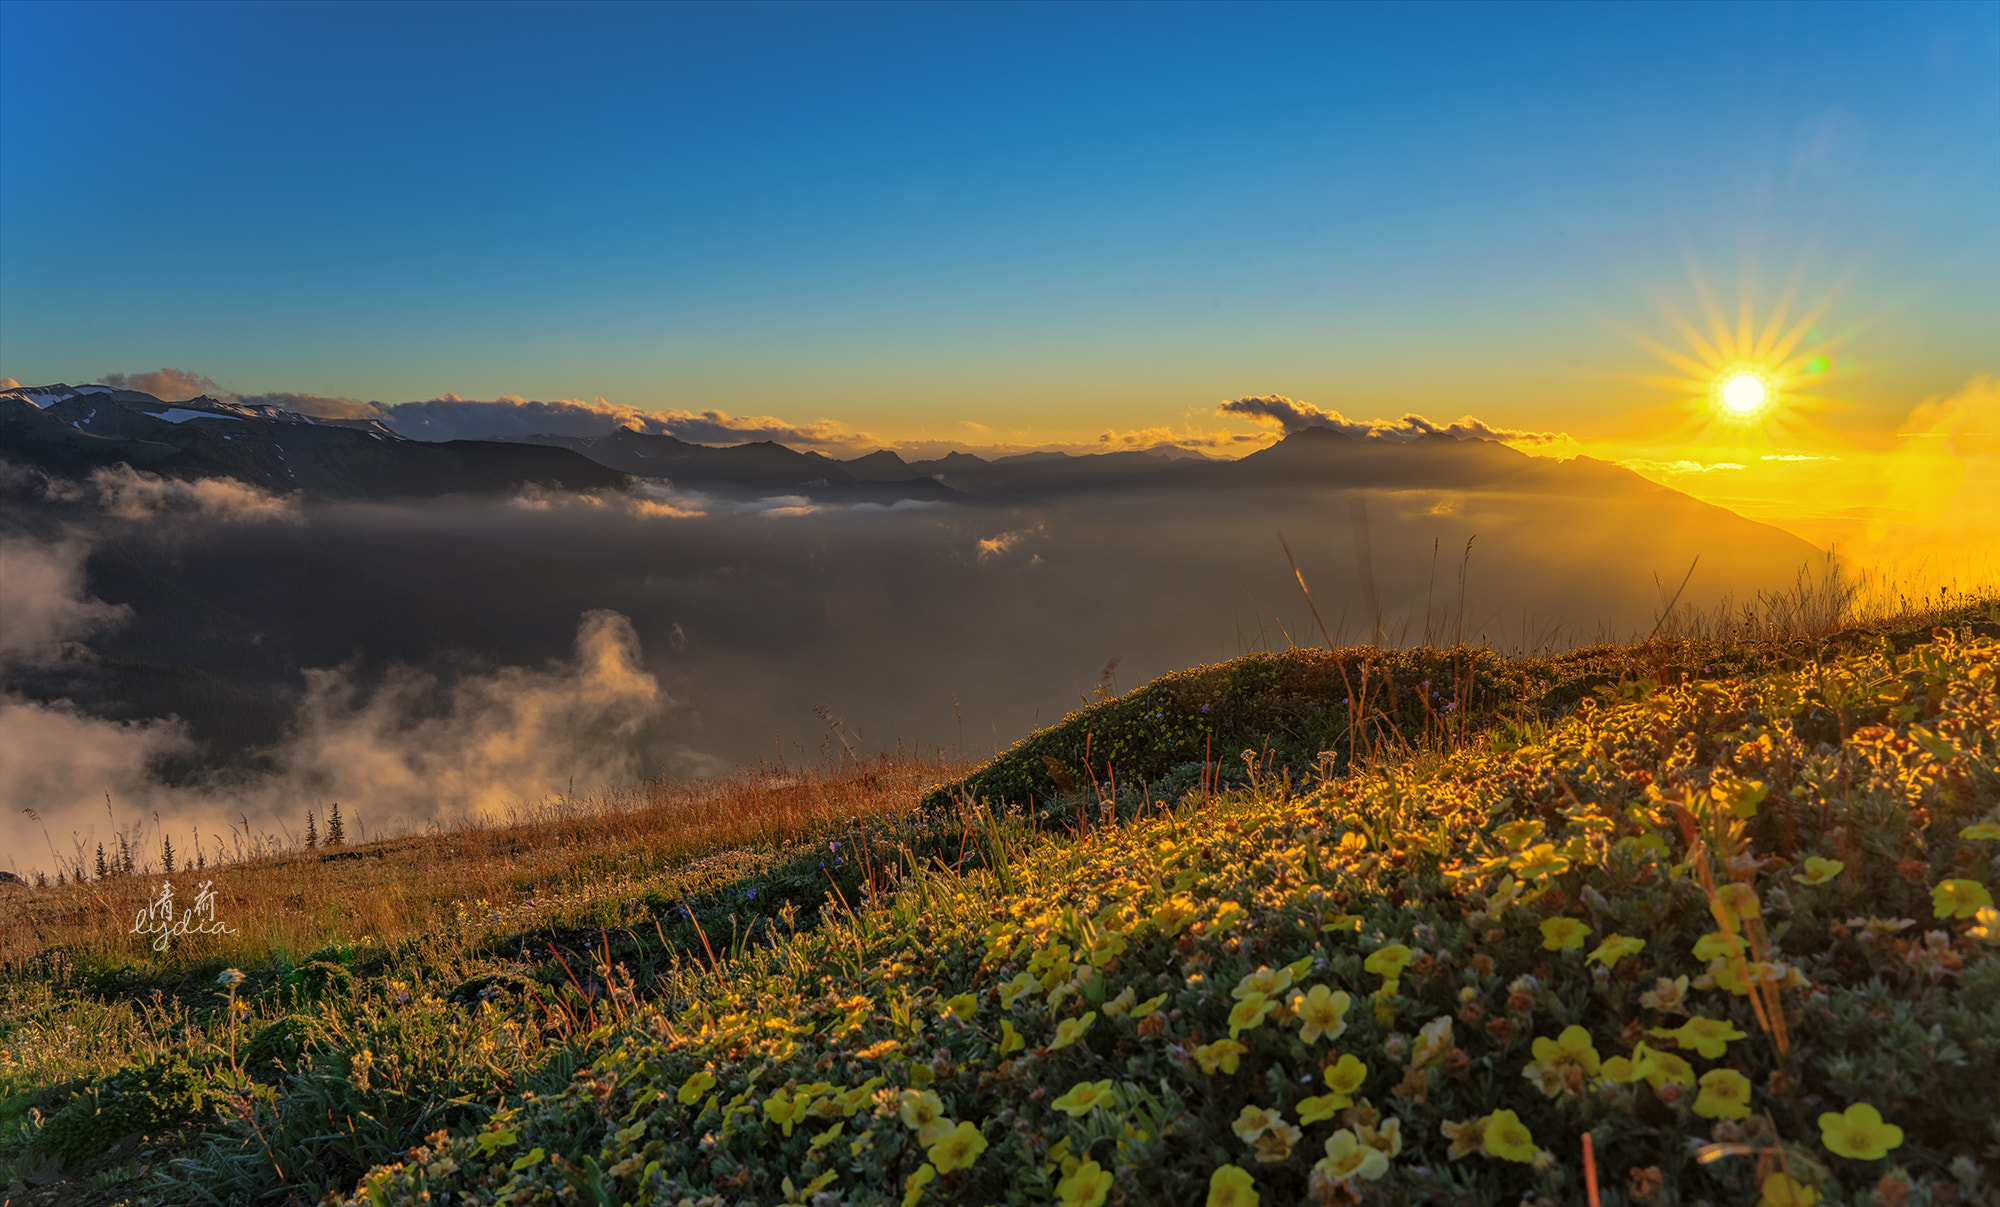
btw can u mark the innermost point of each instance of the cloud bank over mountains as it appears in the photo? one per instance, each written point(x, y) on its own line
point(1291, 415)
point(513, 417)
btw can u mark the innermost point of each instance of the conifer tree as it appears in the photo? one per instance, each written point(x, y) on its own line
point(200, 857)
point(336, 833)
point(312, 835)
point(102, 871)
point(167, 852)
point(60, 880)
point(125, 854)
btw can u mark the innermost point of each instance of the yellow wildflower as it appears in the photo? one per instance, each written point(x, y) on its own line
point(1269, 982)
point(923, 1113)
point(1085, 1186)
point(1981, 831)
point(963, 1007)
point(1231, 1186)
point(1466, 1138)
point(1985, 925)
point(1322, 1106)
point(1434, 1042)
point(1739, 901)
point(1725, 1094)
point(1011, 991)
point(1228, 914)
point(1223, 1054)
point(1085, 1097)
point(1010, 1039)
point(1779, 1190)
point(1708, 1036)
point(1388, 962)
point(1108, 947)
point(1663, 1068)
point(1858, 1132)
point(957, 1150)
point(1148, 1006)
point(1570, 1049)
point(1254, 1121)
point(1250, 1013)
point(1507, 1138)
point(825, 1138)
point(1642, 1065)
point(1715, 946)
point(913, 1186)
point(1267, 1132)
point(1121, 1004)
point(1347, 1157)
point(1960, 898)
point(1819, 870)
point(1665, 995)
point(1388, 1137)
point(786, 1110)
point(1562, 934)
point(1069, 1030)
point(1538, 861)
point(1615, 948)
point(695, 1086)
point(1344, 1076)
point(1322, 1013)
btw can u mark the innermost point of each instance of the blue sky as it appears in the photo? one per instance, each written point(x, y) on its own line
point(1045, 220)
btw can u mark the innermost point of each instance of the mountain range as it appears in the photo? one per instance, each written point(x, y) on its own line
point(72, 429)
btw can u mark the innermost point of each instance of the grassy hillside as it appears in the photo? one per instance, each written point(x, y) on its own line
point(1723, 912)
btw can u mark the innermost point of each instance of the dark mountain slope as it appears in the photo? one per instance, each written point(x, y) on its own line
point(73, 430)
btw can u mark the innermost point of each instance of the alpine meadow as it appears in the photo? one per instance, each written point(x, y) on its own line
point(861, 605)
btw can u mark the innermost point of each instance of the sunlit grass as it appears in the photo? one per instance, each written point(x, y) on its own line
point(1421, 971)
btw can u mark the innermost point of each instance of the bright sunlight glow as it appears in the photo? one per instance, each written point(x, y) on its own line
point(1743, 394)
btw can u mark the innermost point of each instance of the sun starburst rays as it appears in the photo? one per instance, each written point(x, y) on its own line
point(1751, 375)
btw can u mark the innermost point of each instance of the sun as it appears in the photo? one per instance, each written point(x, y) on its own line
point(1742, 393)
point(1736, 379)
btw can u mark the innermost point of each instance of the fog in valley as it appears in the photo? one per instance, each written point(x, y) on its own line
point(227, 658)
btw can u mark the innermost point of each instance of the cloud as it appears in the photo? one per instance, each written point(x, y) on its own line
point(1293, 415)
point(168, 385)
point(1190, 439)
point(1642, 465)
point(319, 406)
point(1939, 490)
point(512, 417)
point(515, 734)
point(1795, 457)
point(410, 749)
point(998, 546)
point(515, 418)
point(42, 600)
point(8, 383)
point(129, 494)
point(646, 500)
point(715, 427)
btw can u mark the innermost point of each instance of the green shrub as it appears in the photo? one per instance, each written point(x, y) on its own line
point(283, 1041)
point(162, 1095)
